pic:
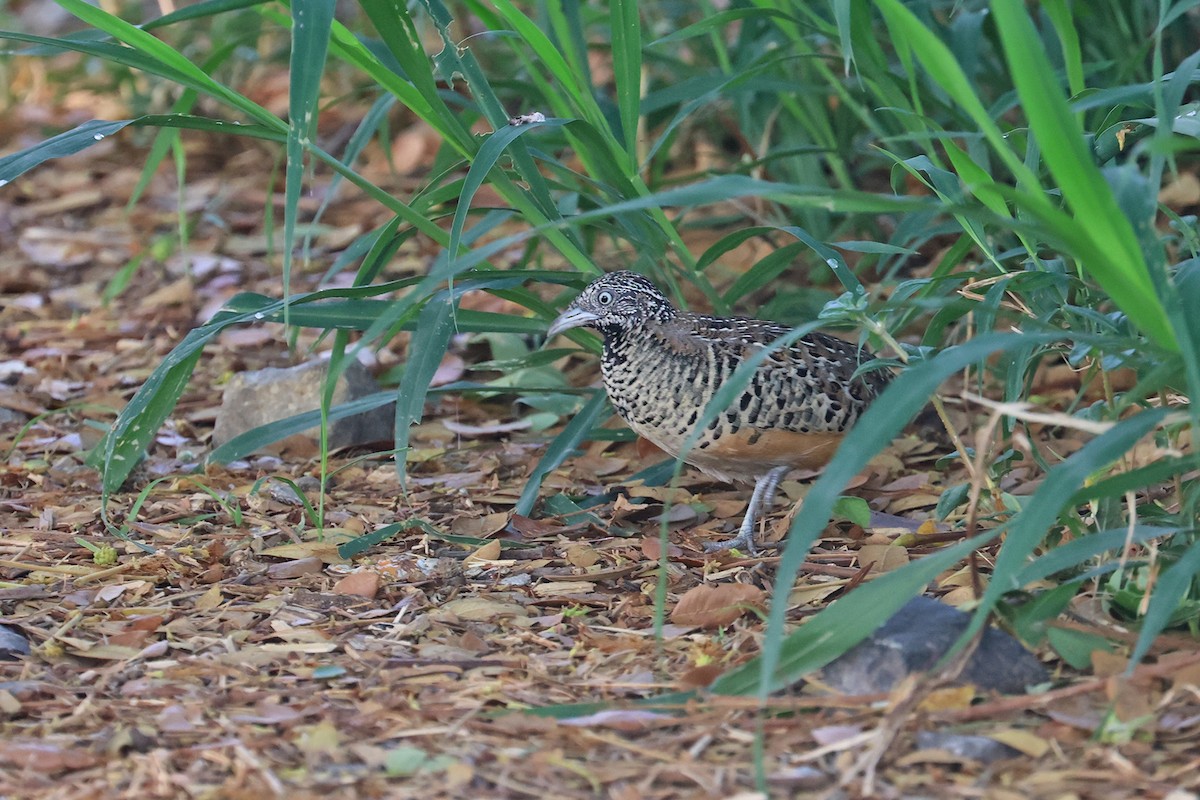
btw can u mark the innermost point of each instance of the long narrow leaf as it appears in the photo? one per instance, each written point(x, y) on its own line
point(311, 23)
point(627, 69)
point(435, 325)
point(1121, 269)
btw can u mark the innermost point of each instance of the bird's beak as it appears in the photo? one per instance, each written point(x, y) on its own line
point(571, 318)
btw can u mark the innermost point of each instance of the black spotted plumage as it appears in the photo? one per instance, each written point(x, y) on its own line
point(661, 366)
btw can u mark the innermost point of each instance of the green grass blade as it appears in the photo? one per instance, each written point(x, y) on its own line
point(1121, 268)
point(417, 89)
point(167, 59)
point(206, 8)
point(1059, 13)
point(485, 160)
point(1073, 554)
point(435, 325)
point(627, 69)
point(311, 24)
point(911, 37)
point(123, 446)
point(64, 144)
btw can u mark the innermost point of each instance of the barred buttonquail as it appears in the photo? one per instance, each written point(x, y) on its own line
point(661, 366)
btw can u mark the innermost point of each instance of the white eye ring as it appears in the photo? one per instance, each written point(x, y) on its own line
point(604, 298)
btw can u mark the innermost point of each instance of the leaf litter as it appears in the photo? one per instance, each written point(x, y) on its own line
point(246, 657)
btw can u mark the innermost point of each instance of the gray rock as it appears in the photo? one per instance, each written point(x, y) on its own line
point(257, 398)
point(977, 748)
point(13, 643)
point(10, 417)
point(916, 638)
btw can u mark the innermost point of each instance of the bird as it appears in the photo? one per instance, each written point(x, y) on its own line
point(661, 366)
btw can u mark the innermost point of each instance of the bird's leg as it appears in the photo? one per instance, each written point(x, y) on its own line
point(760, 501)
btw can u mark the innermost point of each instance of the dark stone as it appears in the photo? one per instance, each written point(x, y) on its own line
point(257, 398)
point(10, 417)
point(12, 643)
point(916, 638)
point(977, 748)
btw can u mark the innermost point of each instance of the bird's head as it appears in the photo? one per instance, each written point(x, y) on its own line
point(619, 301)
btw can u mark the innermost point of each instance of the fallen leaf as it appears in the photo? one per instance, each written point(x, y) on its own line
point(563, 588)
point(294, 569)
point(1028, 743)
point(715, 606)
point(480, 609)
point(325, 550)
point(582, 555)
point(491, 429)
point(209, 600)
point(359, 584)
point(882, 557)
point(489, 552)
point(620, 720)
point(652, 548)
point(950, 698)
point(46, 757)
point(701, 676)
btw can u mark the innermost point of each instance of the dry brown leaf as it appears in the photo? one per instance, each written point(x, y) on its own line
point(910, 501)
point(480, 527)
point(949, 698)
point(1181, 192)
point(701, 676)
point(1106, 664)
point(493, 428)
point(882, 557)
point(359, 584)
point(652, 548)
point(599, 466)
point(326, 551)
point(294, 569)
point(481, 609)
point(620, 720)
point(102, 651)
point(311, 648)
point(47, 758)
point(813, 593)
point(582, 555)
point(413, 148)
point(715, 606)
point(563, 588)
point(488, 552)
point(1028, 743)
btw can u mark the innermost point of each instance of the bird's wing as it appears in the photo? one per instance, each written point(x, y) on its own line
point(808, 386)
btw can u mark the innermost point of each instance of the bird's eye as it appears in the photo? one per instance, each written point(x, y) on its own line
point(604, 298)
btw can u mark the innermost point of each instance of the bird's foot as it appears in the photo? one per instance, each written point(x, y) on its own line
point(743, 541)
